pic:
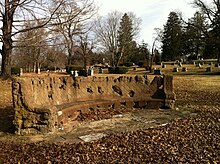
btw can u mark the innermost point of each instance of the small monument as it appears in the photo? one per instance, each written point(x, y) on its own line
point(38, 71)
point(184, 69)
point(175, 69)
point(21, 72)
point(157, 72)
point(209, 69)
point(74, 73)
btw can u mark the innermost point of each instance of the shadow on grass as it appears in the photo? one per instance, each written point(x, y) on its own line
point(210, 73)
point(193, 73)
point(6, 120)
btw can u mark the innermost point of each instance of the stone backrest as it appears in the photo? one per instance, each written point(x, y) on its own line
point(42, 104)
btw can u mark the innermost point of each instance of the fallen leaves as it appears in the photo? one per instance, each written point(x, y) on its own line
point(195, 139)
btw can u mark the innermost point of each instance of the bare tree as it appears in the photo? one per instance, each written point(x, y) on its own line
point(75, 14)
point(30, 46)
point(157, 38)
point(136, 22)
point(84, 48)
point(106, 31)
point(55, 58)
point(12, 13)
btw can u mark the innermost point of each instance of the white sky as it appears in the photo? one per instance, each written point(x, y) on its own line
point(154, 13)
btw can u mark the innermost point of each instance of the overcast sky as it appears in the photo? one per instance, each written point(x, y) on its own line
point(154, 13)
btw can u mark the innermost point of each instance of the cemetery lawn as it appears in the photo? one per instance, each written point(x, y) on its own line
point(194, 139)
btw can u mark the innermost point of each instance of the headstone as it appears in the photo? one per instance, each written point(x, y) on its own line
point(164, 66)
point(184, 69)
point(175, 69)
point(100, 70)
point(90, 72)
point(75, 73)
point(157, 72)
point(217, 65)
point(21, 72)
point(199, 65)
point(209, 69)
point(38, 71)
point(180, 64)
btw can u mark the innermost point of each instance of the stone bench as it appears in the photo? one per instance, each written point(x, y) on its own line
point(44, 104)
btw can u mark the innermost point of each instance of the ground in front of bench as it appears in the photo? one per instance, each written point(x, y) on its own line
point(129, 121)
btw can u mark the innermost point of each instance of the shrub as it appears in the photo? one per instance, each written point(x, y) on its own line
point(70, 68)
point(128, 64)
point(118, 70)
point(111, 69)
point(15, 70)
point(141, 63)
point(52, 68)
point(82, 73)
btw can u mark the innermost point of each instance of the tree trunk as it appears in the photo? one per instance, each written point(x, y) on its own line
point(85, 61)
point(6, 59)
point(70, 52)
point(113, 59)
point(6, 55)
point(35, 67)
point(218, 57)
point(152, 56)
point(69, 58)
point(7, 20)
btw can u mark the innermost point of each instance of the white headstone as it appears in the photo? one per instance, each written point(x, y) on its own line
point(92, 72)
point(38, 71)
point(76, 73)
point(21, 72)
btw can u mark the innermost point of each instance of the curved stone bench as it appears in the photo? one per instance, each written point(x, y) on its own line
point(43, 104)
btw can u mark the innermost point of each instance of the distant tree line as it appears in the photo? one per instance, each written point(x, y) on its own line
point(196, 38)
point(50, 34)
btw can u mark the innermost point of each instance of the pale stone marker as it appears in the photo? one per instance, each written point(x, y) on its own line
point(38, 71)
point(209, 69)
point(175, 69)
point(21, 72)
point(184, 69)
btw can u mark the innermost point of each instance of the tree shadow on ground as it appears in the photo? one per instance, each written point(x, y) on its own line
point(6, 119)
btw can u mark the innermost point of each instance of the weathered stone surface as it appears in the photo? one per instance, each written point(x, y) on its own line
point(45, 104)
point(168, 91)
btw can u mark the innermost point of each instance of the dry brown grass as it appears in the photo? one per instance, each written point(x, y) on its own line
point(198, 83)
point(197, 90)
point(5, 94)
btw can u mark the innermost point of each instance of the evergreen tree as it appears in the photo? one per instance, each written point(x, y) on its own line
point(171, 39)
point(211, 10)
point(140, 56)
point(125, 39)
point(194, 36)
point(212, 49)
